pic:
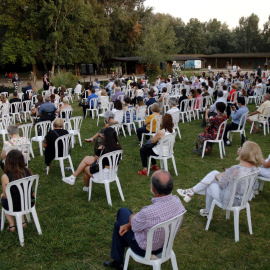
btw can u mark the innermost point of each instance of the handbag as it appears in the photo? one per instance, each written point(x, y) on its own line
point(148, 144)
point(94, 167)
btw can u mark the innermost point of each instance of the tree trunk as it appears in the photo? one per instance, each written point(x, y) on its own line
point(53, 67)
point(77, 70)
point(36, 72)
point(98, 69)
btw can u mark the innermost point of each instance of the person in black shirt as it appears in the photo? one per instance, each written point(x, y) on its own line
point(183, 97)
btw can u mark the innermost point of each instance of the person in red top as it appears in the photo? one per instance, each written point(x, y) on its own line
point(230, 99)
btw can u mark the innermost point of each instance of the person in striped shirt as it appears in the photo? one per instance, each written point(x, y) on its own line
point(130, 229)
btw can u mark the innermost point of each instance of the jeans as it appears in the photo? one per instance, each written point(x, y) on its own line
point(140, 131)
point(145, 153)
point(229, 127)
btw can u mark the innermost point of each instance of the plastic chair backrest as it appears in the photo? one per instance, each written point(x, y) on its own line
point(93, 103)
point(192, 104)
point(175, 117)
point(66, 113)
point(266, 114)
point(117, 128)
point(64, 141)
point(128, 116)
point(77, 122)
point(167, 230)
point(242, 122)
point(5, 93)
point(24, 148)
point(24, 187)
point(26, 105)
point(15, 107)
point(42, 128)
point(5, 108)
point(140, 112)
point(26, 130)
point(158, 123)
point(249, 184)
point(34, 99)
point(184, 105)
point(198, 103)
point(104, 102)
point(113, 158)
point(121, 98)
point(221, 129)
point(168, 142)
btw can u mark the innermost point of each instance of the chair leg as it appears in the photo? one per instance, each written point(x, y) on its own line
point(165, 160)
point(178, 130)
point(129, 130)
point(149, 162)
point(223, 147)
point(90, 190)
point(228, 214)
point(173, 260)
point(80, 140)
point(40, 148)
point(142, 139)
point(20, 229)
point(249, 218)
point(97, 120)
point(31, 150)
point(61, 161)
point(261, 185)
point(210, 216)
point(127, 259)
point(174, 165)
point(108, 193)
point(28, 217)
point(204, 146)
point(35, 217)
point(134, 126)
point(264, 129)
point(236, 224)
point(47, 170)
point(123, 130)
point(2, 219)
point(120, 189)
point(220, 150)
point(251, 127)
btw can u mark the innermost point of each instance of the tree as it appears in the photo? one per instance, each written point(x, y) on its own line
point(158, 42)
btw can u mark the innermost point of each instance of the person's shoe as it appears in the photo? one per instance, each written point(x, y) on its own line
point(85, 189)
point(114, 264)
point(155, 168)
point(89, 140)
point(256, 192)
point(69, 180)
point(204, 213)
point(186, 194)
point(142, 172)
point(202, 125)
point(227, 143)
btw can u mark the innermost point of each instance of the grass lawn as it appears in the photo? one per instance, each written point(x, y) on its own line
point(77, 233)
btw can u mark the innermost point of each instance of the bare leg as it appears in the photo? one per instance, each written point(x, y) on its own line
point(11, 222)
point(86, 176)
point(87, 161)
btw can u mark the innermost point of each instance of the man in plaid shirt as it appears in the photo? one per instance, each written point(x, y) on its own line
point(131, 229)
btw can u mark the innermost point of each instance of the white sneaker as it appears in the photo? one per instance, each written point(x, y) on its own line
point(85, 189)
point(69, 180)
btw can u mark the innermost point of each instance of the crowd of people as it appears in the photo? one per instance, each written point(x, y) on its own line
point(163, 99)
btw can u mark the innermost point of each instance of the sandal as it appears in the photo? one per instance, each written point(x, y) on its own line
point(89, 140)
point(10, 227)
point(24, 224)
point(142, 172)
point(204, 213)
point(155, 167)
point(186, 194)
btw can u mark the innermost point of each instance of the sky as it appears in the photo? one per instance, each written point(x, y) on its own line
point(229, 11)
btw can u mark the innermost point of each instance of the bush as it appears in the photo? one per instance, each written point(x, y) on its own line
point(65, 78)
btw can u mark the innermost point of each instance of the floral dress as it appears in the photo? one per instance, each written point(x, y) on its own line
point(210, 133)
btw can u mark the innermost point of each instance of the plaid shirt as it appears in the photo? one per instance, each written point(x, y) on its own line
point(162, 209)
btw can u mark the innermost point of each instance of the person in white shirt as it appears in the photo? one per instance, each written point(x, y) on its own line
point(221, 80)
point(209, 69)
point(186, 78)
point(173, 108)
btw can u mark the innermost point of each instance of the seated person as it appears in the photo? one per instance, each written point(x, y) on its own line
point(146, 128)
point(14, 99)
point(15, 169)
point(3, 89)
point(118, 111)
point(130, 230)
point(258, 114)
point(37, 105)
point(98, 138)
point(111, 144)
point(49, 141)
point(183, 97)
point(237, 113)
point(250, 157)
point(64, 106)
point(174, 108)
point(127, 100)
point(90, 104)
point(15, 139)
point(145, 152)
point(210, 133)
point(28, 87)
point(118, 93)
point(46, 110)
point(151, 99)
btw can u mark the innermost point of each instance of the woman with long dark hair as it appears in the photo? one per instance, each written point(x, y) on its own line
point(111, 144)
point(14, 169)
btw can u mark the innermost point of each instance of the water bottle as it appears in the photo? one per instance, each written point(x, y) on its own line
point(68, 169)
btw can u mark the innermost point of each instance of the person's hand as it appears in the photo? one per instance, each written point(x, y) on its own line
point(124, 229)
point(239, 151)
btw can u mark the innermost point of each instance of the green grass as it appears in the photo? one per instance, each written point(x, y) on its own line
point(77, 233)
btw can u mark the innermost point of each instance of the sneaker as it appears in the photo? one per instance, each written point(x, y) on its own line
point(204, 213)
point(85, 189)
point(227, 143)
point(69, 180)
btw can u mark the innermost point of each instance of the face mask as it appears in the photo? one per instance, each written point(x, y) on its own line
point(240, 93)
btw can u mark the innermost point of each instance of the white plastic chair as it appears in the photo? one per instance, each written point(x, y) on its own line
point(184, 106)
point(241, 127)
point(176, 117)
point(166, 103)
point(158, 120)
point(169, 229)
point(218, 139)
point(26, 132)
point(15, 109)
point(69, 95)
point(66, 114)
point(249, 183)
point(26, 109)
point(5, 110)
point(264, 122)
point(117, 128)
point(140, 115)
point(5, 93)
point(168, 142)
point(94, 108)
point(65, 140)
point(198, 106)
point(42, 128)
point(6, 121)
point(103, 106)
point(255, 97)
point(190, 108)
point(129, 122)
point(113, 158)
point(24, 186)
point(24, 148)
point(75, 130)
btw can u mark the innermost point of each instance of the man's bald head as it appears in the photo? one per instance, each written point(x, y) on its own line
point(162, 182)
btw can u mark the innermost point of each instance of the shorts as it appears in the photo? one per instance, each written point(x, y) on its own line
point(255, 118)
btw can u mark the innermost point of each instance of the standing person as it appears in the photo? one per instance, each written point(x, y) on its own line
point(265, 66)
point(131, 229)
point(46, 82)
point(259, 71)
point(209, 68)
point(14, 169)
